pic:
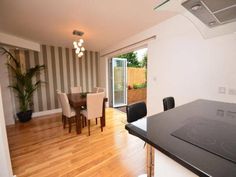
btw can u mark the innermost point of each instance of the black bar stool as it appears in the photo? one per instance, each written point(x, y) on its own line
point(168, 103)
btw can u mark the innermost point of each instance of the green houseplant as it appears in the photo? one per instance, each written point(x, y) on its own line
point(22, 84)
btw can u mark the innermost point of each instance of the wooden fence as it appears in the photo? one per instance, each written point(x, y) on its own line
point(136, 76)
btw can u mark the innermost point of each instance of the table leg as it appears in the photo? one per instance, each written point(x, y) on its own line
point(103, 120)
point(78, 121)
point(150, 161)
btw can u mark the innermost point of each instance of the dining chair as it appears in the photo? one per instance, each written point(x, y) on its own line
point(98, 89)
point(95, 89)
point(77, 89)
point(136, 111)
point(94, 108)
point(59, 101)
point(168, 103)
point(67, 112)
point(58, 96)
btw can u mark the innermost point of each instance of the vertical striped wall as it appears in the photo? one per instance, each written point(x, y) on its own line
point(63, 70)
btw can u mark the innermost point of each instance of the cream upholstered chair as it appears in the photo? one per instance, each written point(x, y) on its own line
point(98, 89)
point(94, 108)
point(59, 101)
point(95, 89)
point(58, 96)
point(77, 89)
point(67, 111)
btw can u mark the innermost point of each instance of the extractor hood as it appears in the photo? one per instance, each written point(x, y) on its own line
point(212, 12)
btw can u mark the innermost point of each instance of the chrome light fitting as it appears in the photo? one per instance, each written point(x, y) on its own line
point(196, 7)
point(78, 44)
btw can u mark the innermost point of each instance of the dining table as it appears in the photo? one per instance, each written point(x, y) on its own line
point(77, 101)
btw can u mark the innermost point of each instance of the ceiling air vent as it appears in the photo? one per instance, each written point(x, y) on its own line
point(212, 12)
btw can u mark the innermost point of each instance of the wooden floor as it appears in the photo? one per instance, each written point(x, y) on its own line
point(43, 148)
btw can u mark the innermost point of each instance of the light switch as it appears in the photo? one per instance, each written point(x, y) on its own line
point(222, 90)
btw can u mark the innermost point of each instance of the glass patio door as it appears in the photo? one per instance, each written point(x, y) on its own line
point(119, 82)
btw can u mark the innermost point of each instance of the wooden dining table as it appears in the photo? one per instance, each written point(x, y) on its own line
point(77, 100)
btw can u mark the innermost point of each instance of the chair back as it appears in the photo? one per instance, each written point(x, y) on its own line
point(168, 103)
point(66, 110)
point(76, 89)
point(98, 89)
point(136, 111)
point(58, 96)
point(95, 89)
point(95, 105)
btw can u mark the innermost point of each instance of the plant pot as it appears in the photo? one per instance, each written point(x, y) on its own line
point(24, 116)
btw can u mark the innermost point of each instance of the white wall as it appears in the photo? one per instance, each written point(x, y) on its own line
point(5, 162)
point(6, 97)
point(181, 63)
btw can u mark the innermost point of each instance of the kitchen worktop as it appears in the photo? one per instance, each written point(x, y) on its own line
point(164, 130)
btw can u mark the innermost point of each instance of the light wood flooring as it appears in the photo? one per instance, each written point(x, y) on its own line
point(42, 148)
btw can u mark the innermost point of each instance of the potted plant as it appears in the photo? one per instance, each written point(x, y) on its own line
point(22, 84)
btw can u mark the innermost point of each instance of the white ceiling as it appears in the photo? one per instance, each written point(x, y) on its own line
point(105, 22)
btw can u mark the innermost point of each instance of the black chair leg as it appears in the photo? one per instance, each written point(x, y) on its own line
point(88, 127)
point(101, 124)
point(69, 124)
point(83, 123)
point(64, 121)
point(76, 123)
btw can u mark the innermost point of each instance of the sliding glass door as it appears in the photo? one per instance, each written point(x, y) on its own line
point(119, 82)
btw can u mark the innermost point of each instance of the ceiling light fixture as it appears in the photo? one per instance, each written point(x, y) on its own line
point(78, 44)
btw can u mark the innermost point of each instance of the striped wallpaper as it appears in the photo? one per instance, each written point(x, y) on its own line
point(63, 70)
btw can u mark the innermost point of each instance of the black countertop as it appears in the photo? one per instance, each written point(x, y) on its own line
point(157, 129)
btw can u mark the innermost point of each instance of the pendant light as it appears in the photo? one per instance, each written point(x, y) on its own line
point(78, 44)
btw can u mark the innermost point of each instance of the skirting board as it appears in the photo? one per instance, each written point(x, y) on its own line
point(48, 112)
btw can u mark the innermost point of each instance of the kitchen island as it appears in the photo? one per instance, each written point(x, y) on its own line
point(200, 136)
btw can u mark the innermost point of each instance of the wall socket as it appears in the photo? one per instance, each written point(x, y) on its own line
point(221, 90)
